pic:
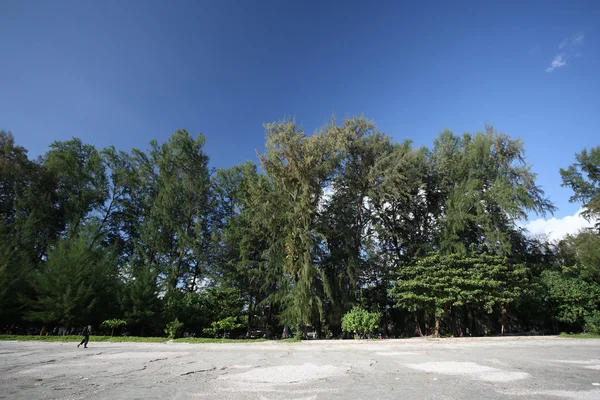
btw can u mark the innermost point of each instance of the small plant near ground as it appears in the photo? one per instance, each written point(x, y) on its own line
point(360, 322)
point(173, 328)
point(225, 325)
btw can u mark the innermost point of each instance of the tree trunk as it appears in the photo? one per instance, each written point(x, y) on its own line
point(108, 211)
point(418, 326)
point(112, 332)
point(453, 322)
point(250, 315)
point(504, 318)
point(466, 320)
point(268, 321)
point(318, 329)
point(437, 325)
point(193, 288)
point(285, 333)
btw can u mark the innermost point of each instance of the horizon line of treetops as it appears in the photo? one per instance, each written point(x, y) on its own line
point(344, 219)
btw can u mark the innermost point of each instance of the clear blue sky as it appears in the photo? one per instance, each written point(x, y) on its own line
point(128, 71)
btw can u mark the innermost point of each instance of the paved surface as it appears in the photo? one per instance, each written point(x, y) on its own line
point(521, 368)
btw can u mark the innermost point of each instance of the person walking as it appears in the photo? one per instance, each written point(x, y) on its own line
point(87, 331)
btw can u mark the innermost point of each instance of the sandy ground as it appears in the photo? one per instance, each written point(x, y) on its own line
point(512, 368)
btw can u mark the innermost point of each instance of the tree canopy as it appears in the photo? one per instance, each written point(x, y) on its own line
point(324, 227)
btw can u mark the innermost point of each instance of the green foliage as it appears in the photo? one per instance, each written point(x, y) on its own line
point(361, 321)
point(191, 308)
point(570, 298)
point(347, 220)
point(179, 209)
point(297, 167)
point(82, 185)
point(224, 325)
point(341, 217)
point(580, 255)
point(487, 186)
point(223, 302)
point(29, 223)
point(15, 275)
point(173, 328)
point(113, 323)
point(125, 339)
point(580, 335)
point(74, 338)
point(592, 322)
point(77, 284)
point(436, 283)
point(583, 178)
point(140, 300)
point(217, 340)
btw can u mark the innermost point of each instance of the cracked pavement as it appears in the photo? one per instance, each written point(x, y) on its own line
point(481, 368)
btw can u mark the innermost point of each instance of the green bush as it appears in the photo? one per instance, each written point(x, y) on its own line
point(224, 325)
point(592, 322)
point(173, 328)
point(572, 298)
point(360, 321)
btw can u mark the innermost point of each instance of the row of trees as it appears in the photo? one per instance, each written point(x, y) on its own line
point(340, 218)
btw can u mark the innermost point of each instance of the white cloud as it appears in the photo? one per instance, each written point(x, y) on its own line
point(563, 44)
point(577, 39)
point(569, 49)
point(558, 61)
point(572, 41)
point(557, 228)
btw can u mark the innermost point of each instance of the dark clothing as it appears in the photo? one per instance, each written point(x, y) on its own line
point(86, 336)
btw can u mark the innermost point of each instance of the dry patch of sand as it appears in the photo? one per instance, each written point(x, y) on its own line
point(396, 353)
point(469, 369)
point(150, 355)
point(589, 364)
point(562, 394)
point(285, 374)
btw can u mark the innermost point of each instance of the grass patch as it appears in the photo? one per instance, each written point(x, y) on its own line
point(131, 339)
point(76, 338)
point(121, 339)
point(217, 340)
point(31, 338)
point(579, 335)
point(128, 339)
